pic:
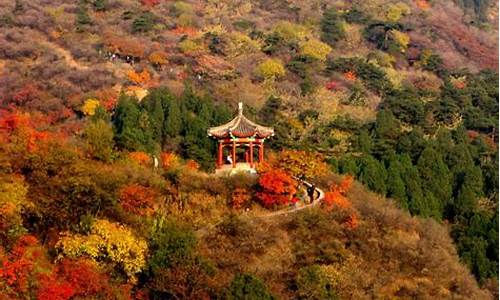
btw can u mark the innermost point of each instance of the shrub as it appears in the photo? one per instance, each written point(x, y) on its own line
point(138, 199)
point(144, 22)
point(315, 49)
point(158, 58)
point(290, 31)
point(396, 11)
point(189, 46)
point(312, 283)
point(89, 106)
point(401, 39)
point(332, 28)
point(108, 242)
point(247, 287)
point(98, 138)
point(270, 69)
point(276, 188)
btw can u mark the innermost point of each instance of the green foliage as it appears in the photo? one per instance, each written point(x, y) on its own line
point(373, 174)
point(82, 17)
point(373, 77)
point(100, 5)
point(356, 15)
point(247, 287)
point(314, 285)
point(332, 28)
point(98, 138)
point(144, 23)
point(171, 245)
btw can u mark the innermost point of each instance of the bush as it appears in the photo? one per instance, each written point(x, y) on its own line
point(332, 28)
point(247, 287)
point(270, 69)
point(144, 22)
point(313, 284)
point(291, 32)
point(315, 49)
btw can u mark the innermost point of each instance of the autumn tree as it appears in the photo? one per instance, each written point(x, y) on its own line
point(138, 199)
point(332, 29)
point(302, 163)
point(98, 137)
point(276, 188)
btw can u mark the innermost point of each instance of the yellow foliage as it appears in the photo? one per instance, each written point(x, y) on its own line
point(302, 163)
point(290, 31)
point(217, 29)
point(185, 20)
point(189, 46)
point(108, 242)
point(395, 77)
point(396, 11)
point(270, 69)
point(240, 44)
point(90, 106)
point(315, 49)
point(13, 196)
point(401, 38)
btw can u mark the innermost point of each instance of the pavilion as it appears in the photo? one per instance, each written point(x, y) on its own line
point(240, 133)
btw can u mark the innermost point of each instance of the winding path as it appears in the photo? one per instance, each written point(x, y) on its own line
point(294, 209)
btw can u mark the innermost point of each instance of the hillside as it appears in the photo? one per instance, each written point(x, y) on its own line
point(107, 186)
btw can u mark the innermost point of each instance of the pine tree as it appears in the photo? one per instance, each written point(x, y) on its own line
point(332, 29)
point(436, 178)
point(373, 174)
point(395, 185)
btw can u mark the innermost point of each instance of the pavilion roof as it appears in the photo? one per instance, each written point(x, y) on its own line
point(240, 127)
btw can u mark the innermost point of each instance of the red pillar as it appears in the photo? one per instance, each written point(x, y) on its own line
point(234, 154)
point(219, 155)
point(261, 153)
point(251, 154)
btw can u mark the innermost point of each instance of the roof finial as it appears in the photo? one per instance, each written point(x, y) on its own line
point(240, 108)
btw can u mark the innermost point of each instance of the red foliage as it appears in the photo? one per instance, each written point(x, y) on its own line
point(137, 199)
point(277, 188)
point(332, 85)
point(52, 289)
point(168, 160)
point(84, 277)
point(26, 94)
point(150, 2)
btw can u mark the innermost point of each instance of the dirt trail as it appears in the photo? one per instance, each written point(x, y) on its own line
point(65, 54)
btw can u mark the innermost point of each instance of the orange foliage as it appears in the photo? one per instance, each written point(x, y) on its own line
point(239, 198)
point(189, 31)
point(336, 196)
point(192, 165)
point(108, 98)
point(124, 45)
point(138, 199)
point(139, 78)
point(350, 75)
point(277, 188)
point(140, 157)
point(423, 4)
point(169, 160)
point(150, 2)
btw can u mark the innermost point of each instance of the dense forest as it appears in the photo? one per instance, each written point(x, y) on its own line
point(390, 107)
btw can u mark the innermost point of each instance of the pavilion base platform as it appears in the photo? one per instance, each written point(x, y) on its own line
point(228, 169)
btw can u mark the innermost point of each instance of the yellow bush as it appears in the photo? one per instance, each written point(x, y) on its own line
point(89, 106)
point(240, 44)
point(108, 242)
point(270, 68)
point(185, 20)
point(181, 7)
point(217, 29)
point(290, 31)
point(188, 46)
point(396, 11)
point(401, 38)
point(315, 49)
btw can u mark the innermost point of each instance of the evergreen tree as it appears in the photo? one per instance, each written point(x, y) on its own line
point(413, 186)
point(332, 29)
point(395, 185)
point(373, 174)
point(173, 119)
point(100, 5)
point(436, 178)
